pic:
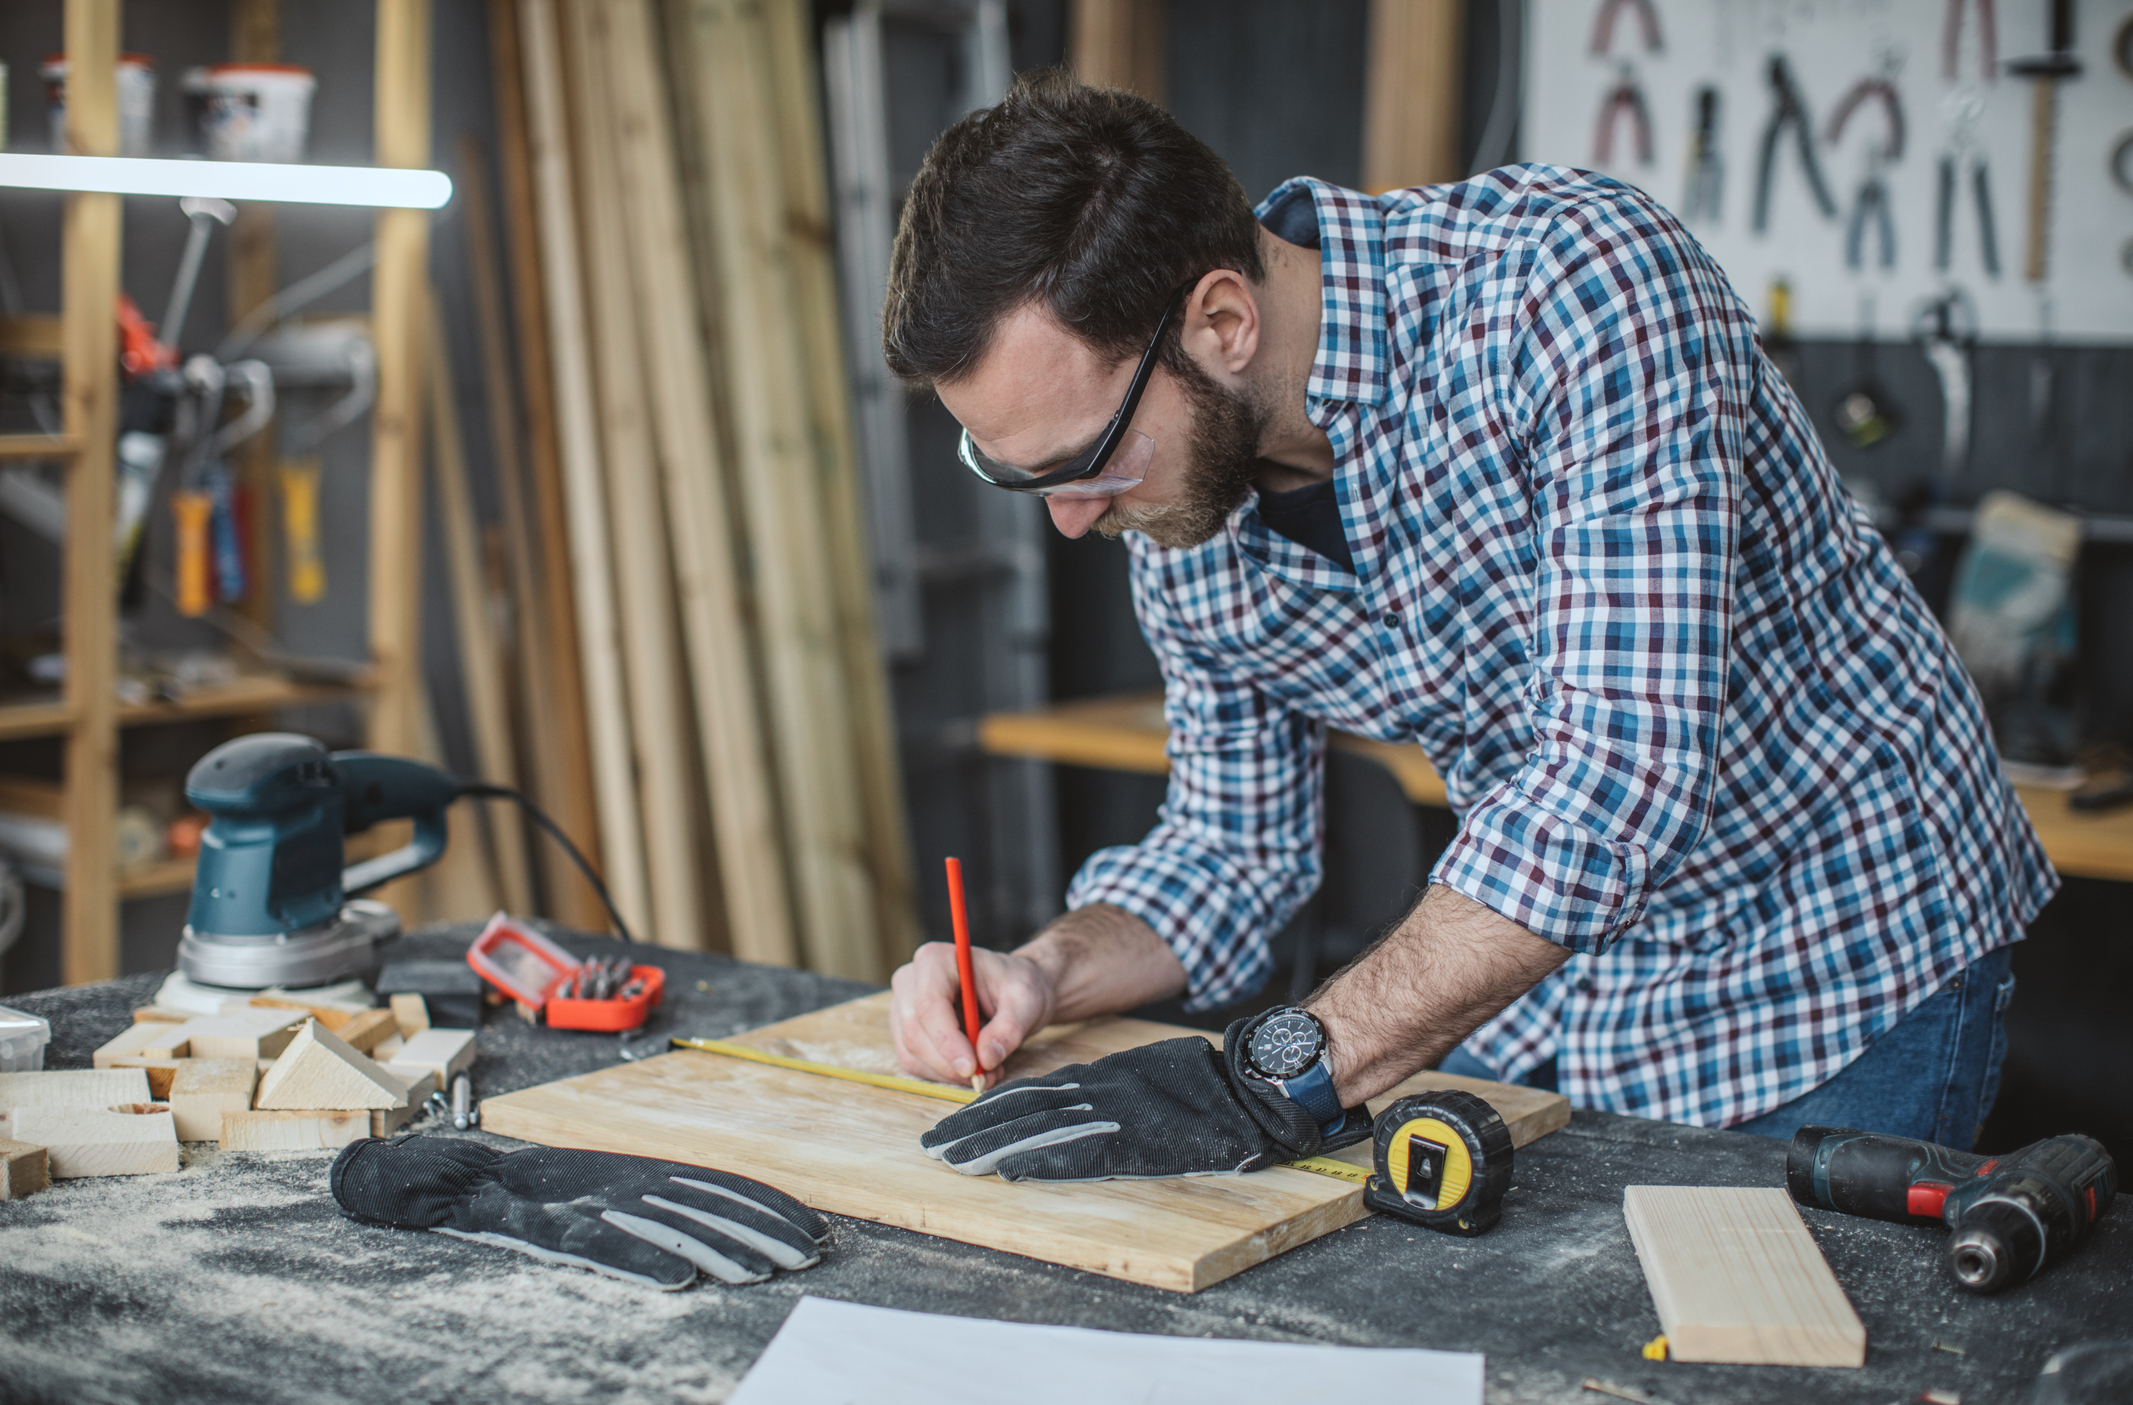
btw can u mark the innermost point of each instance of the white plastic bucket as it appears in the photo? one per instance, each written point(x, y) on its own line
point(257, 111)
point(136, 102)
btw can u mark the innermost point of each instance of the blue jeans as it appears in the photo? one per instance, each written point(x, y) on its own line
point(1932, 1076)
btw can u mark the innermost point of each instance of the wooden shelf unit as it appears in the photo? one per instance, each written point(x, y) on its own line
point(88, 716)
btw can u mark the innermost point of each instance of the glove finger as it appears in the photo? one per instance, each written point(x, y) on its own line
point(785, 1243)
point(599, 1248)
point(739, 1267)
point(765, 1197)
point(980, 1153)
point(1001, 1105)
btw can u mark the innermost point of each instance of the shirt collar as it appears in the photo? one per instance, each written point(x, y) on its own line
point(1352, 362)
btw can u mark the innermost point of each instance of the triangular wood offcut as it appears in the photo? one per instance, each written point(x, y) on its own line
point(320, 1070)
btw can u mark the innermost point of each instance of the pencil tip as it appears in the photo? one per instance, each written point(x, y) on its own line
point(977, 1083)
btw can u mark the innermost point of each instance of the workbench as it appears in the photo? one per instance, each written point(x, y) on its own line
point(237, 1279)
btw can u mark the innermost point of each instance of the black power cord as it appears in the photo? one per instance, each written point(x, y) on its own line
point(487, 791)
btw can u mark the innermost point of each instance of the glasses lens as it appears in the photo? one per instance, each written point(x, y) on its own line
point(1127, 469)
point(1007, 475)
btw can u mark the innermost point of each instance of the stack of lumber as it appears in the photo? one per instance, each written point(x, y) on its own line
point(273, 1076)
point(686, 488)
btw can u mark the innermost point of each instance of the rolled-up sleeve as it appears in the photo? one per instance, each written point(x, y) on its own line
point(1235, 849)
point(1626, 377)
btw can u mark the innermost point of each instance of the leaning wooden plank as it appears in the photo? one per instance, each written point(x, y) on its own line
point(319, 1070)
point(25, 1169)
point(443, 1052)
point(572, 805)
point(736, 762)
point(606, 703)
point(203, 1089)
point(807, 227)
point(132, 1139)
point(1736, 1277)
point(796, 610)
point(293, 1131)
point(367, 1030)
point(73, 1087)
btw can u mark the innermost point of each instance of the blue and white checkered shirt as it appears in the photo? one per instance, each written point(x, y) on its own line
point(1697, 725)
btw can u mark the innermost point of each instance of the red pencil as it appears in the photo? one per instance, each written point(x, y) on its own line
point(961, 918)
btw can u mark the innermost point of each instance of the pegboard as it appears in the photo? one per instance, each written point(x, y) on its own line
point(1829, 46)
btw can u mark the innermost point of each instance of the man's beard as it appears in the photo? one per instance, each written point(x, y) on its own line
point(1218, 471)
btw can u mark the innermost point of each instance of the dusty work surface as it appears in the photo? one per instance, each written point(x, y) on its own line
point(236, 1279)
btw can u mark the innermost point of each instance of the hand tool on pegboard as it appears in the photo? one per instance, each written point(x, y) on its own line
point(1872, 204)
point(2046, 72)
point(1789, 111)
point(1603, 26)
point(1951, 40)
point(1707, 166)
point(2011, 1216)
point(1623, 97)
point(1962, 109)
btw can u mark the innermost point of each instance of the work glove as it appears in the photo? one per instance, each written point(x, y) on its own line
point(1178, 1108)
point(651, 1222)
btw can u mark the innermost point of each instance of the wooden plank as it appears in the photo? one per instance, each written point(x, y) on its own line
point(364, 1032)
point(1737, 1278)
point(783, 505)
point(411, 1013)
point(36, 799)
point(540, 687)
point(73, 1087)
point(246, 1034)
point(318, 1070)
point(567, 747)
point(128, 1043)
point(578, 441)
point(37, 448)
point(293, 1131)
point(481, 669)
point(851, 1149)
point(808, 230)
point(1411, 93)
point(204, 1089)
point(162, 1072)
point(254, 275)
point(658, 724)
point(89, 281)
point(442, 1052)
point(1119, 44)
point(25, 1169)
point(34, 336)
point(137, 1139)
point(730, 729)
point(19, 720)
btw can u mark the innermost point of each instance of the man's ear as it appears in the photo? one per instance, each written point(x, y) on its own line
point(1221, 323)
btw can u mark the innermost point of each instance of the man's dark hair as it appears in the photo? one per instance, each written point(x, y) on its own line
point(1091, 201)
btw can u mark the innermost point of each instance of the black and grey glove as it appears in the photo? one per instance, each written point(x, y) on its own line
point(652, 1222)
point(1178, 1108)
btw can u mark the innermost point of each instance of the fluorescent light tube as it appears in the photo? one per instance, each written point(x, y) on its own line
point(229, 180)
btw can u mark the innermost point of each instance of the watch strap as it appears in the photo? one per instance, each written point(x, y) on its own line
point(1313, 1091)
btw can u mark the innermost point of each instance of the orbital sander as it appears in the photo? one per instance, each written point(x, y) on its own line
point(273, 903)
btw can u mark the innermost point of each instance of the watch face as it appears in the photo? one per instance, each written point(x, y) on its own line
point(1286, 1044)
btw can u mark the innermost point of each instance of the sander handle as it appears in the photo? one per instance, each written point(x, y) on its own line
point(375, 788)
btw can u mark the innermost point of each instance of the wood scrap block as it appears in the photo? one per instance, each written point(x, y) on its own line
point(442, 1051)
point(1737, 1278)
point(133, 1139)
point(385, 1121)
point(293, 1131)
point(160, 1073)
point(320, 1070)
point(416, 1083)
point(25, 1169)
point(73, 1087)
point(366, 1031)
point(161, 1014)
point(330, 1013)
point(247, 1034)
point(412, 1014)
point(204, 1089)
point(131, 1041)
point(385, 1048)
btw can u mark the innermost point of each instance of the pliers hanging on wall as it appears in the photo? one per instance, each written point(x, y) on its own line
point(1707, 167)
point(1603, 25)
point(1625, 96)
point(1951, 40)
point(1872, 202)
point(1791, 111)
point(1964, 107)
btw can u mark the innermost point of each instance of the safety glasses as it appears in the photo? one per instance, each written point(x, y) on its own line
point(1119, 458)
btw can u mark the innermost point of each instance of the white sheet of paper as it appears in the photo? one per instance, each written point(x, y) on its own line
point(834, 1353)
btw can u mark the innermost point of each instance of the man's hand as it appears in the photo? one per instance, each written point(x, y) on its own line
point(1096, 960)
point(1178, 1108)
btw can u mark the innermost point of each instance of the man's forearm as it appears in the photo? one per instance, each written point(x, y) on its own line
point(1102, 959)
point(1449, 966)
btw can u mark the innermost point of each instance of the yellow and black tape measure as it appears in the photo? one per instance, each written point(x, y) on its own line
point(1442, 1160)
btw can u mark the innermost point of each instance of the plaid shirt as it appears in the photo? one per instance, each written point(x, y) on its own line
point(1697, 725)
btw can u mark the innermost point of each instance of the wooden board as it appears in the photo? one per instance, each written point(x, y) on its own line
point(203, 1089)
point(293, 1131)
point(853, 1150)
point(133, 1139)
point(1737, 1278)
point(73, 1087)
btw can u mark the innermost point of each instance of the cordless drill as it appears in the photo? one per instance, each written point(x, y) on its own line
point(2010, 1215)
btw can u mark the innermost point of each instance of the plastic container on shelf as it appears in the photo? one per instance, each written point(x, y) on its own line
point(22, 1041)
point(136, 102)
point(257, 111)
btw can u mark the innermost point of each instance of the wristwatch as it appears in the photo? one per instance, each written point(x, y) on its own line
point(1286, 1046)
